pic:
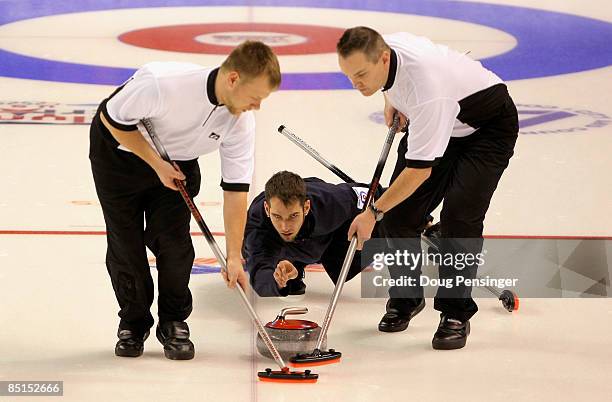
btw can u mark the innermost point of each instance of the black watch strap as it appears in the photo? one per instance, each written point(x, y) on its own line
point(378, 214)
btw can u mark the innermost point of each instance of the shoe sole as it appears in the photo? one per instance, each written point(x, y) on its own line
point(123, 353)
point(174, 355)
point(403, 327)
point(392, 329)
point(449, 345)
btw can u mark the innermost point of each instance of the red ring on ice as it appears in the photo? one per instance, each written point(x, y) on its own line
point(182, 38)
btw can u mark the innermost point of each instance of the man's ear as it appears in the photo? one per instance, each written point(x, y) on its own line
point(306, 207)
point(385, 57)
point(267, 208)
point(232, 79)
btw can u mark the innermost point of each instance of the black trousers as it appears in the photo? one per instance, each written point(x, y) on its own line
point(465, 180)
point(140, 212)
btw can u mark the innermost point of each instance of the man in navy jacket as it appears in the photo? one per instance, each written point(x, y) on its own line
point(296, 222)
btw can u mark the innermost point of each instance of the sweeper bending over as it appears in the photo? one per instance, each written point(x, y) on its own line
point(196, 110)
point(296, 222)
point(463, 128)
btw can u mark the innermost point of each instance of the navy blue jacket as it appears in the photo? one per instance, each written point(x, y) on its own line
point(331, 207)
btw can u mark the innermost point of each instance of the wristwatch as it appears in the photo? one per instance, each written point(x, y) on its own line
point(378, 214)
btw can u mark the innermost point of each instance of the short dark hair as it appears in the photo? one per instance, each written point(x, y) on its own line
point(361, 39)
point(252, 59)
point(286, 186)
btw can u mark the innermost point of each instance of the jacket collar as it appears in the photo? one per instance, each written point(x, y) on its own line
point(210, 87)
point(392, 71)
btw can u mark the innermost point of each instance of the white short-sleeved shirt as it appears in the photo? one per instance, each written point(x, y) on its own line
point(180, 101)
point(426, 82)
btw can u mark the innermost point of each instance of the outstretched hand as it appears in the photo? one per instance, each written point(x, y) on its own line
point(284, 272)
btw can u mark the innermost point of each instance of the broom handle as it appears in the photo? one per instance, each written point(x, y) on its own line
point(214, 246)
point(348, 260)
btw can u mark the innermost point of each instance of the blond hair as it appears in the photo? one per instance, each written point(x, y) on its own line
point(251, 59)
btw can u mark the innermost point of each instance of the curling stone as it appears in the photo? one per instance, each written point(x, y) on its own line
point(291, 336)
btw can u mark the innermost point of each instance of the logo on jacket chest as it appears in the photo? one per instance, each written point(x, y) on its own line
point(362, 193)
point(214, 136)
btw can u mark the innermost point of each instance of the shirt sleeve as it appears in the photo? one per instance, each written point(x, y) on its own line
point(139, 98)
point(261, 252)
point(237, 151)
point(262, 279)
point(431, 126)
point(333, 205)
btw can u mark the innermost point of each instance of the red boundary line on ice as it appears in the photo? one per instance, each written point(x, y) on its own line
point(102, 232)
point(518, 237)
point(74, 232)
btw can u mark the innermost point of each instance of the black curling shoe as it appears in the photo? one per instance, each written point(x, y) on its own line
point(174, 335)
point(451, 334)
point(130, 344)
point(395, 321)
point(296, 287)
